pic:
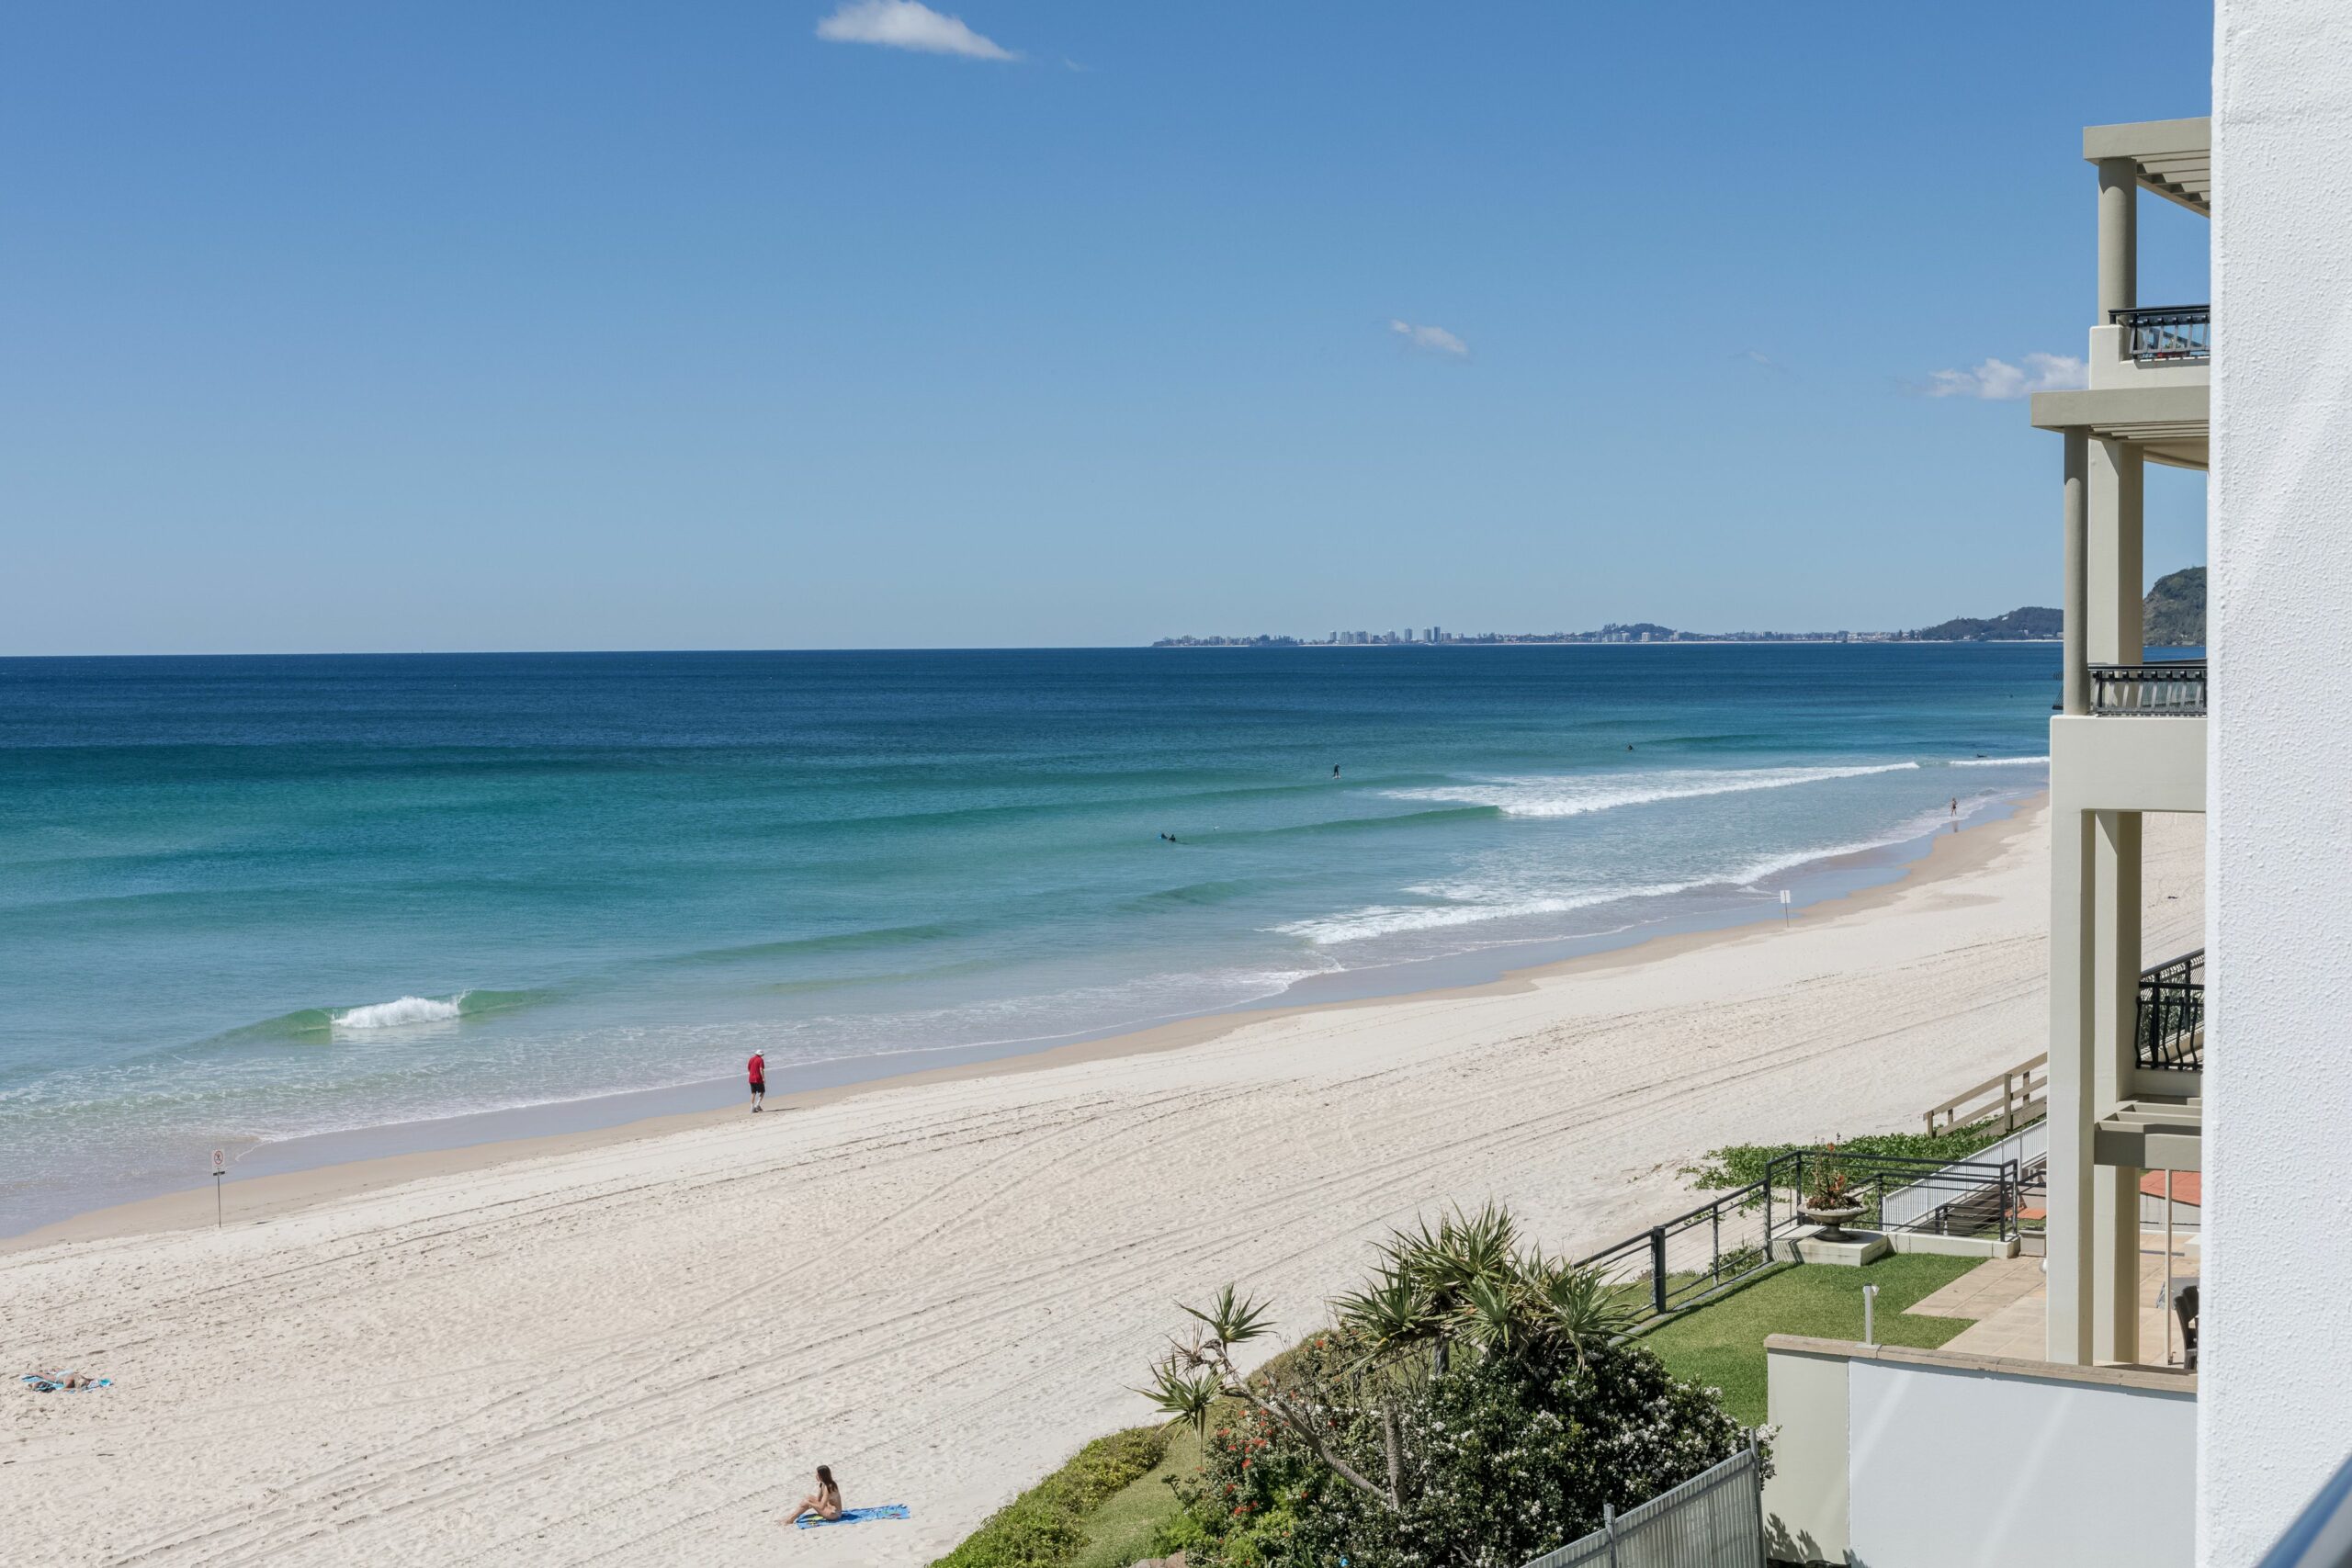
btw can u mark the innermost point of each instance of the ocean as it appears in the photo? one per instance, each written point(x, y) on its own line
point(244, 900)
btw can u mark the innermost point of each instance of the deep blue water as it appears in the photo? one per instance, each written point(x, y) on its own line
point(251, 898)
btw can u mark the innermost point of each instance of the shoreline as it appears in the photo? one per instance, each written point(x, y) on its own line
point(1854, 883)
point(630, 1353)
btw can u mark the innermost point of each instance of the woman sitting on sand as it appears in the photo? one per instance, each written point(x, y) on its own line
point(825, 1502)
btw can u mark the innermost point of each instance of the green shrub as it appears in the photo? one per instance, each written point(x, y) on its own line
point(1742, 1165)
point(1046, 1526)
point(1504, 1456)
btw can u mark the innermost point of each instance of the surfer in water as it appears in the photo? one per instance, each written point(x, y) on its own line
point(1335, 770)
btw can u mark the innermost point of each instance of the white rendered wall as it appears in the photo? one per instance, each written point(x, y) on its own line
point(1955, 1469)
point(2276, 1408)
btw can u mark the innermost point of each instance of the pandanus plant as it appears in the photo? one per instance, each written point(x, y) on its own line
point(1467, 1281)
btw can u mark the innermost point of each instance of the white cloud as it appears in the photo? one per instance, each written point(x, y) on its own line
point(1436, 340)
point(908, 24)
point(1999, 380)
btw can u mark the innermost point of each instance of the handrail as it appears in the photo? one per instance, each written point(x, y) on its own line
point(2321, 1536)
point(2167, 334)
point(2171, 1021)
point(2018, 1091)
point(2173, 687)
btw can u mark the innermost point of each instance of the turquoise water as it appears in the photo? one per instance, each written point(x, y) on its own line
point(251, 899)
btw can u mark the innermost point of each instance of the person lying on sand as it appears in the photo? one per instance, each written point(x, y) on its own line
point(50, 1383)
point(825, 1502)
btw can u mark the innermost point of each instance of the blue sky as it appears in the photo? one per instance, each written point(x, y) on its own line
point(604, 326)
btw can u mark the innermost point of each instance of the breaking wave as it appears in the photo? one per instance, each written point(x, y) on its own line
point(307, 1024)
point(1574, 796)
point(1392, 920)
point(404, 1009)
point(1467, 904)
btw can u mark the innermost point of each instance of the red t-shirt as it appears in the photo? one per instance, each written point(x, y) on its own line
point(759, 1067)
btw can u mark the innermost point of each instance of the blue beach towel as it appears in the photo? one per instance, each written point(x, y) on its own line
point(858, 1516)
point(51, 1385)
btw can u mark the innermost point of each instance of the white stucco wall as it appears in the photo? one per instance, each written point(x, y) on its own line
point(1955, 1469)
point(2276, 1412)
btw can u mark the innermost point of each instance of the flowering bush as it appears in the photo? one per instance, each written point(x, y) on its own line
point(1504, 1458)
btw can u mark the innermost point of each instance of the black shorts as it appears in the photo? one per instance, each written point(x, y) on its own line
point(758, 1086)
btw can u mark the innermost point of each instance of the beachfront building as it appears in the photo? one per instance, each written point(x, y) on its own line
point(2072, 1407)
point(2126, 1027)
point(2098, 1439)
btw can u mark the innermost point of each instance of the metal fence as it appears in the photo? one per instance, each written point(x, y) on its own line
point(2171, 687)
point(1974, 1197)
point(1715, 1519)
point(1690, 1256)
point(2167, 334)
point(1958, 1191)
point(1687, 1259)
point(2172, 1015)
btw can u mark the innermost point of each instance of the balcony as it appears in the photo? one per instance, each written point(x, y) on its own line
point(2174, 688)
point(2160, 1123)
point(2172, 1015)
point(2170, 335)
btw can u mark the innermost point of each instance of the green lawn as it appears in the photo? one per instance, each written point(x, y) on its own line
point(1722, 1344)
point(1119, 1532)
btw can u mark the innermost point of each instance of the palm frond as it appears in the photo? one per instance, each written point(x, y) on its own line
point(1581, 1306)
point(1233, 1318)
point(1182, 1395)
point(1392, 1315)
point(1493, 1316)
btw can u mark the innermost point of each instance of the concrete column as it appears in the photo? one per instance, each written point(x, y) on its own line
point(2114, 920)
point(2118, 236)
point(2130, 556)
point(2113, 603)
point(2114, 560)
point(2073, 1088)
point(2075, 524)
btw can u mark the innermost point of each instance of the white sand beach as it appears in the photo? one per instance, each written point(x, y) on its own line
point(633, 1349)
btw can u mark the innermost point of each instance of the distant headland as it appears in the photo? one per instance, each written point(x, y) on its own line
point(2175, 617)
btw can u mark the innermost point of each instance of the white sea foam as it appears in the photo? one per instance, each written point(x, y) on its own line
point(1576, 795)
point(392, 1014)
point(1390, 920)
point(1470, 903)
point(2000, 762)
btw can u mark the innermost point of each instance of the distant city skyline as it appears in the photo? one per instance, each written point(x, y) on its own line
point(812, 325)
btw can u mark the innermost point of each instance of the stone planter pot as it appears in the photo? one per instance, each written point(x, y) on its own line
point(1832, 1220)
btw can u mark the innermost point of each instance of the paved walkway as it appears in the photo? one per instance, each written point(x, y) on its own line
point(2009, 1298)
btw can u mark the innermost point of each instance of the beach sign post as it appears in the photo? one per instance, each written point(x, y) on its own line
point(220, 1169)
point(1784, 907)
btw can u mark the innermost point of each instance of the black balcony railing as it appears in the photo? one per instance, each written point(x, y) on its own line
point(2173, 687)
point(2171, 335)
point(2172, 1015)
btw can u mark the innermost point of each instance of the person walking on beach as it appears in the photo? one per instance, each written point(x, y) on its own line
point(825, 1502)
point(759, 1067)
